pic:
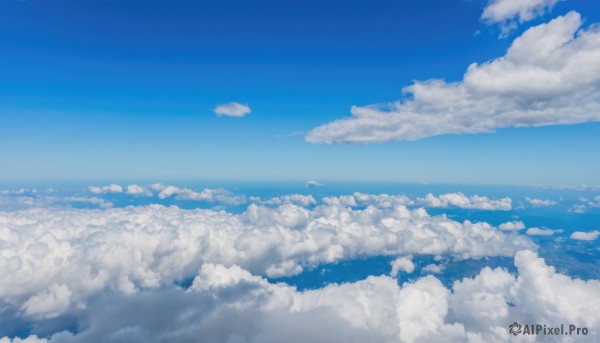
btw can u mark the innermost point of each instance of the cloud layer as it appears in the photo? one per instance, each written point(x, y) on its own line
point(229, 304)
point(56, 258)
point(550, 75)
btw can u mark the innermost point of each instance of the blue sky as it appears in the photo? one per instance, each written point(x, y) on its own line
point(124, 90)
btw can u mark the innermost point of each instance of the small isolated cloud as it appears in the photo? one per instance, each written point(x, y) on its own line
point(585, 236)
point(313, 183)
point(138, 190)
point(536, 231)
point(433, 268)
point(106, 189)
point(540, 202)
point(512, 226)
point(232, 109)
point(550, 75)
point(404, 264)
point(508, 13)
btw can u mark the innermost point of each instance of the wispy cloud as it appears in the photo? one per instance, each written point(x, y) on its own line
point(114, 188)
point(508, 13)
point(540, 202)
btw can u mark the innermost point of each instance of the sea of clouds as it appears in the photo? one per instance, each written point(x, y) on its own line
point(118, 274)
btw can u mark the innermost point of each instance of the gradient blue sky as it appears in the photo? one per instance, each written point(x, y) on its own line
point(124, 90)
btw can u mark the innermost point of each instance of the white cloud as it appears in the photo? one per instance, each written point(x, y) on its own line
point(207, 194)
point(512, 226)
point(549, 76)
point(585, 205)
point(536, 231)
point(89, 200)
point(296, 199)
point(361, 199)
point(404, 264)
point(540, 202)
point(30, 339)
point(585, 236)
point(509, 12)
point(433, 268)
point(462, 201)
point(106, 189)
point(313, 183)
point(55, 258)
point(230, 304)
point(138, 190)
point(232, 109)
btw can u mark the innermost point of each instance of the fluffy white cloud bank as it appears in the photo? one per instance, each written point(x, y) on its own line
point(508, 13)
point(229, 304)
point(225, 197)
point(232, 109)
point(53, 259)
point(549, 76)
point(460, 200)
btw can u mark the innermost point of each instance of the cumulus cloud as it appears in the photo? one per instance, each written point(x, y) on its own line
point(550, 75)
point(508, 13)
point(232, 109)
point(55, 258)
point(230, 304)
point(106, 189)
point(540, 202)
point(138, 190)
point(536, 231)
point(585, 236)
point(585, 205)
point(404, 264)
point(460, 200)
point(512, 226)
